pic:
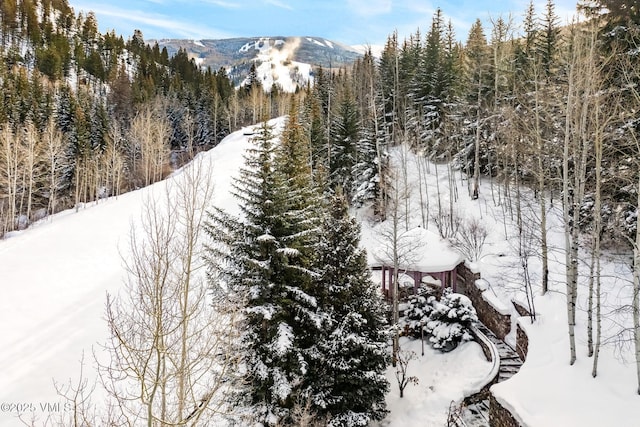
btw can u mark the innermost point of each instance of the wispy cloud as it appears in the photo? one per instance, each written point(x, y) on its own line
point(162, 24)
point(279, 4)
point(420, 7)
point(224, 4)
point(370, 7)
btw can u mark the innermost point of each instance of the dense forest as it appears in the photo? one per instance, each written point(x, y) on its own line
point(86, 115)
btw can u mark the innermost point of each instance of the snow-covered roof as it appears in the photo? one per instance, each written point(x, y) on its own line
point(420, 250)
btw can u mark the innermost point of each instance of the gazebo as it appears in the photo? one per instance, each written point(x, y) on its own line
point(422, 254)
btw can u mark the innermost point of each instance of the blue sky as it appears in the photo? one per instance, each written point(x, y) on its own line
point(349, 21)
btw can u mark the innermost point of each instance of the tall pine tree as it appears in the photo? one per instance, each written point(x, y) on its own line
point(349, 383)
point(265, 263)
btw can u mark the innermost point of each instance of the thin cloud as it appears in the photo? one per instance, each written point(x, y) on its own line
point(223, 4)
point(164, 24)
point(420, 7)
point(279, 4)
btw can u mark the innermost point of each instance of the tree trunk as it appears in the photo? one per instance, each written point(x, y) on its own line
point(567, 203)
point(476, 159)
point(636, 293)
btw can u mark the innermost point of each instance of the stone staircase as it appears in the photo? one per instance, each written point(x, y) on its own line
point(510, 362)
point(476, 413)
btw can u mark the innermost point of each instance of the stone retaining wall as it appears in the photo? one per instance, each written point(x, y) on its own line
point(522, 343)
point(522, 310)
point(465, 277)
point(499, 416)
point(498, 323)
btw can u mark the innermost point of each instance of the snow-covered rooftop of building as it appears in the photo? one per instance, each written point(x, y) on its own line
point(419, 249)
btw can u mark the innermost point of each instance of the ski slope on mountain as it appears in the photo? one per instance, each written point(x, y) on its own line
point(275, 67)
point(55, 276)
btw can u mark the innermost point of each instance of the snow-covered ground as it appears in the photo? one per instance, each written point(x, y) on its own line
point(547, 391)
point(55, 276)
point(443, 378)
point(275, 65)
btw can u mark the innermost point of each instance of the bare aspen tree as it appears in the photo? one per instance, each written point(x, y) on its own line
point(114, 159)
point(170, 352)
point(603, 113)
point(477, 62)
point(190, 129)
point(501, 41)
point(29, 153)
point(150, 152)
point(397, 249)
point(636, 293)
point(582, 90)
point(526, 250)
point(404, 154)
point(423, 188)
point(81, 179)
point(536, 115)
point(54, 157)
point(476, 158)
point(630, 75)
point(595, 268)
point(234, 110)
point(256, 96)
point(568, 192)
point(80, 410)
point(10, 161)
point(541, 148)
point(194, 192)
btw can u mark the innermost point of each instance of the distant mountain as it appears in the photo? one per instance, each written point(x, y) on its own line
point(287, 61)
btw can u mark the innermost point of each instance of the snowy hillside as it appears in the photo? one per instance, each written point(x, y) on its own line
point(52, 313)
point(55, 278)
point(56, 275)
point(547, 391)
point(287, 61)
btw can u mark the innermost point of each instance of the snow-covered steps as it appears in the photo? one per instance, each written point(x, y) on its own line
point(510, 362)
point(476, 414)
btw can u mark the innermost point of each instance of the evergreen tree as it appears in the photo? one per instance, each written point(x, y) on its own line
point(366, 173)
point(349, 383)
point(266, 259)
point(549, 40)
point(478, 84)
point(344, 138)
point(429, 78)
point(389, 91)
point(294, 153)
point(314, 119)
point(616, 11)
